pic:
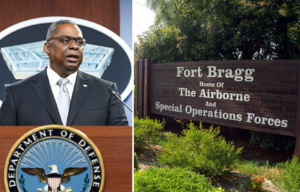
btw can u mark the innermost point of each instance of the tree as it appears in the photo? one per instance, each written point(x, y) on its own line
point(227, 30)
point(166, 10)
point(158, 43)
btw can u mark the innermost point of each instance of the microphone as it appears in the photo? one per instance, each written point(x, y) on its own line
point(112, 91)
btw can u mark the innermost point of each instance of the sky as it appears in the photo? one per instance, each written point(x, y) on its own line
point(143, 18)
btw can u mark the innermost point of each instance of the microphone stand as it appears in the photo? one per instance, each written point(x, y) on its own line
point(114, 93)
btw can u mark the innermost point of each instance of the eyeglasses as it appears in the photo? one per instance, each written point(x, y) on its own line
point(67, 40)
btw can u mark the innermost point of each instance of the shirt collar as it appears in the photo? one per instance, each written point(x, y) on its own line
point(54, 77)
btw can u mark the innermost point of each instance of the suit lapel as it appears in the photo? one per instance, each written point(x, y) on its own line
point(81, 88)
point(44, 93)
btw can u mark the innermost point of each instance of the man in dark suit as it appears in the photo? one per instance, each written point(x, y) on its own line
point(61, 94)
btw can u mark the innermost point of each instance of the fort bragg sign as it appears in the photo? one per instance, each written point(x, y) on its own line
point(54, 158)
point(255, 95)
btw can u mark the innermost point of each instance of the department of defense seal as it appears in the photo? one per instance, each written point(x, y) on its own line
point(54, 158)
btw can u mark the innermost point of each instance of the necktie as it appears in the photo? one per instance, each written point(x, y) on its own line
point(63, 100)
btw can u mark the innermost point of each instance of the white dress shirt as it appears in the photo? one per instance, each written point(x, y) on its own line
point(53, 79)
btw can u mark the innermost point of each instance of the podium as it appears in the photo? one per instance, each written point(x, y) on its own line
point(113, 142)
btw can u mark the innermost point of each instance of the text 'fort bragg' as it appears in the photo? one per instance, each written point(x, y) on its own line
point(206, 92)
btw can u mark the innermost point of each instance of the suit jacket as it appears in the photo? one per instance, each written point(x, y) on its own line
point(31, 102)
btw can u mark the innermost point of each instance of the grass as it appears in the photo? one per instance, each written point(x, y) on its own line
point(260, 168)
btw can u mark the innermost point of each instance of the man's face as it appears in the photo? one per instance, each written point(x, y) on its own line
point(64, 59)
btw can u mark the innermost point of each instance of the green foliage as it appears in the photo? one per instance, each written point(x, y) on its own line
point(146, 131)
point(200, 150)
point(166, 10)
point(263, 168)
point(222, 30)
point(22, 183)
point(164, 138)
point(254, 183)
point(272, 141)
point(290, 176)
point(136, 162)
point(177, 179)
point(85, 183)
point(158, 43)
